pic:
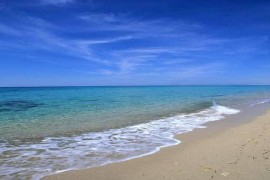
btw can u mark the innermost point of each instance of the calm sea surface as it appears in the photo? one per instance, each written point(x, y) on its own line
point(50, 129)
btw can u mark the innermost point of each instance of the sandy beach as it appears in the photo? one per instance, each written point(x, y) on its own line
point(238, 152)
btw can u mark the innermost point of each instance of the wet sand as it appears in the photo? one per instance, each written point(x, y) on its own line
point(221, 151)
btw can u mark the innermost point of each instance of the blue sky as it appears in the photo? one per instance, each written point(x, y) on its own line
point(134, 42)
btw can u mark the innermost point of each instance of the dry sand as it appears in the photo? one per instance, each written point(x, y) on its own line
point(237, 153)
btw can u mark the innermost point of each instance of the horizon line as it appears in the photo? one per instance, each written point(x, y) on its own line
point(133, 85)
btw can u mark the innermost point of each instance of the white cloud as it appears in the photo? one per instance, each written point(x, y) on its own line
point(105, 41)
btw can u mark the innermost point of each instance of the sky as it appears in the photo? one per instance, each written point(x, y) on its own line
point(134, 42)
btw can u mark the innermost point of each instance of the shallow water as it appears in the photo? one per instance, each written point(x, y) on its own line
point(44, 130)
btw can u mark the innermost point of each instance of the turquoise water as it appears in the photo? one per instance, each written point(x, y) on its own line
point(44, 130)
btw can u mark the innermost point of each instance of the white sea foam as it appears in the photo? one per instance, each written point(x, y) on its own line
point(262, 101)
point(224, 110)
point(55, 154)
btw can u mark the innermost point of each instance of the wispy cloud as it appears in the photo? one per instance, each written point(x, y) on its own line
point(124, 45)
point(104, 41)
point(38, 34)
point(4, 29)
point(100, 18)
point(56, 2)
point(162, 27)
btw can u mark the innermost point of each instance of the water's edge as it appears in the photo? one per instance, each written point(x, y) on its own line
point(214, 113)
point(250, 116)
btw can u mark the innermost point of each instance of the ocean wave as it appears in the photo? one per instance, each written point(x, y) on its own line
point(262, 101)
point(55, 154)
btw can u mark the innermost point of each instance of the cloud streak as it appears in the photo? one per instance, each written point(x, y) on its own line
point(56, 2)
point(123, 44)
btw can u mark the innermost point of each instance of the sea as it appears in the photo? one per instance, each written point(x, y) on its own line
point(45, 130)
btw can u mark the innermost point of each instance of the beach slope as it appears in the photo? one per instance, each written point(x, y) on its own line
point(241, 152)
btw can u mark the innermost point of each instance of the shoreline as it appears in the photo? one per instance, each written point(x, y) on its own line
point(146, 167)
